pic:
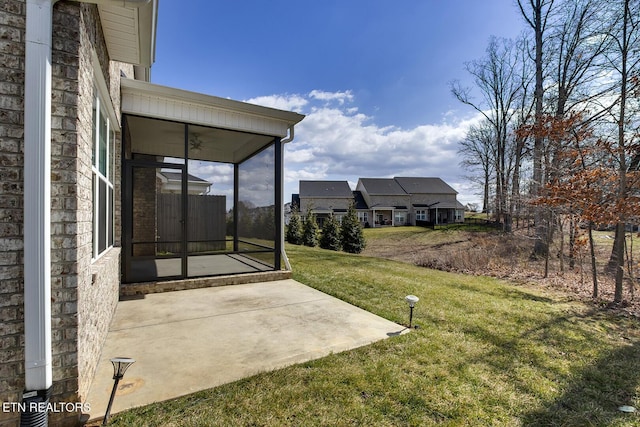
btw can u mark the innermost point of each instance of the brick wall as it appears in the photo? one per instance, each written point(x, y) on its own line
point(98, 281)
point(144, 210)
point(84, 292)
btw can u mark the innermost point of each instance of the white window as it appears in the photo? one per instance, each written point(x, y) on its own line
point(400, 218)
point(103, 140)
point(363, 217)
point(421, 215)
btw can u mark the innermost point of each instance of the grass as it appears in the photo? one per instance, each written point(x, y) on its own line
point(486, 353)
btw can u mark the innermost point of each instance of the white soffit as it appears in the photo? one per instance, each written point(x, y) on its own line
point(130, 32)
point(161, 102)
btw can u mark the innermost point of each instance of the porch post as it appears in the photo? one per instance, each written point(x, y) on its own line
point(278, 214)
point(184, 189)
point(236, 198)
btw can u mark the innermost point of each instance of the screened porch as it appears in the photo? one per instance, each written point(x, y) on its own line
point(202, 185)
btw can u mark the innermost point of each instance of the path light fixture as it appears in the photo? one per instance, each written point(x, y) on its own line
point(411, 300)
point(120, 366)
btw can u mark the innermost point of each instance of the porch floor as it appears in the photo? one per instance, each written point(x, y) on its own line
point(196, 339)
point(197, 265)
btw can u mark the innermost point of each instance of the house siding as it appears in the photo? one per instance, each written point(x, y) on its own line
point(84, 293)
point(448, 199)
point(388, 201)
point(324, 203)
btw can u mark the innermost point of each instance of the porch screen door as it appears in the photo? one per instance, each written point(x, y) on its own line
point(154, 232)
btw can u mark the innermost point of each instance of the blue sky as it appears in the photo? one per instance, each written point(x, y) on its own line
point(372, 76)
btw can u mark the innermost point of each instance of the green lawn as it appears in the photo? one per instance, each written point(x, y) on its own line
point(485, 353)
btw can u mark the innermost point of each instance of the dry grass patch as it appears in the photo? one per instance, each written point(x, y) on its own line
point(487, 252)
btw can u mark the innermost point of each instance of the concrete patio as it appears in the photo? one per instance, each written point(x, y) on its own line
point(191, 340)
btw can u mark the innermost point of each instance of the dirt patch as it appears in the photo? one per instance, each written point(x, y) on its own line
point(508, 257)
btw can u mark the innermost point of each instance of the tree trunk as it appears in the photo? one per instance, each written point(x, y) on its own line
point(618, 245)
point(572, 242)
point(541, 247)
point(594, 270)
point(619, 265)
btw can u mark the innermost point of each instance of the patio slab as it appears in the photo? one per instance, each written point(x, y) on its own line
point(192, 340)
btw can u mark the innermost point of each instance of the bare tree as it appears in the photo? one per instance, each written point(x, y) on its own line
point(536, 13)
point(478, 155)
point(624, 62)
point(500, 86)
point(575, 50)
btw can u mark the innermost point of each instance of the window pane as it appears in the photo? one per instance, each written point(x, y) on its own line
point(93, 132)
point(94, 223)
point(102, 146)
point(112, 139)
point(110, 227)
point(102, 216)
point(256, 207)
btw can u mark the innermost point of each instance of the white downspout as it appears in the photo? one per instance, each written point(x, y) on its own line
point(283, 142)
point(37, 197)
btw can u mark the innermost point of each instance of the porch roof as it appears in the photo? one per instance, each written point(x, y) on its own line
point(239, 129)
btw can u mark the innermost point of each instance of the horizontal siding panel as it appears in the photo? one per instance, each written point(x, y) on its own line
point(199, 114)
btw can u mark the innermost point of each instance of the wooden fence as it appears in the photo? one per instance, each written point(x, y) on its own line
point(206, 223)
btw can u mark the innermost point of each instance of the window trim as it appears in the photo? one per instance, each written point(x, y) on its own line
point(98, 230)
point(102, 96)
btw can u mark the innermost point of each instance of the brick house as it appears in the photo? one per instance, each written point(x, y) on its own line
point(383, 202)
point(83, 136)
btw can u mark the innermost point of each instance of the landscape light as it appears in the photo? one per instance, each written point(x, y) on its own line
point(411, 300)
point(120, 366)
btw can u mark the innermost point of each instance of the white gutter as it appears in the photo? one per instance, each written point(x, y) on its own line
point(284, 141)
point(37, 194)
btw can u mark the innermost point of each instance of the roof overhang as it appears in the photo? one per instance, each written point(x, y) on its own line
point(129, 28)
point(239, 129)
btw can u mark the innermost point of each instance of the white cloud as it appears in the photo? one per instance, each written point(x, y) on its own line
point(281, 102)
point(340, 97)
point(337, 142)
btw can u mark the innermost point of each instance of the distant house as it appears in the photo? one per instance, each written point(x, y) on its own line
point(432, 200)
point(384, 201)
point(171, 182)
point(325, 198)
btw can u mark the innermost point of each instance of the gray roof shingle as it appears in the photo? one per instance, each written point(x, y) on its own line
point(332, 189)
point(425, 186)
point(382, 186)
